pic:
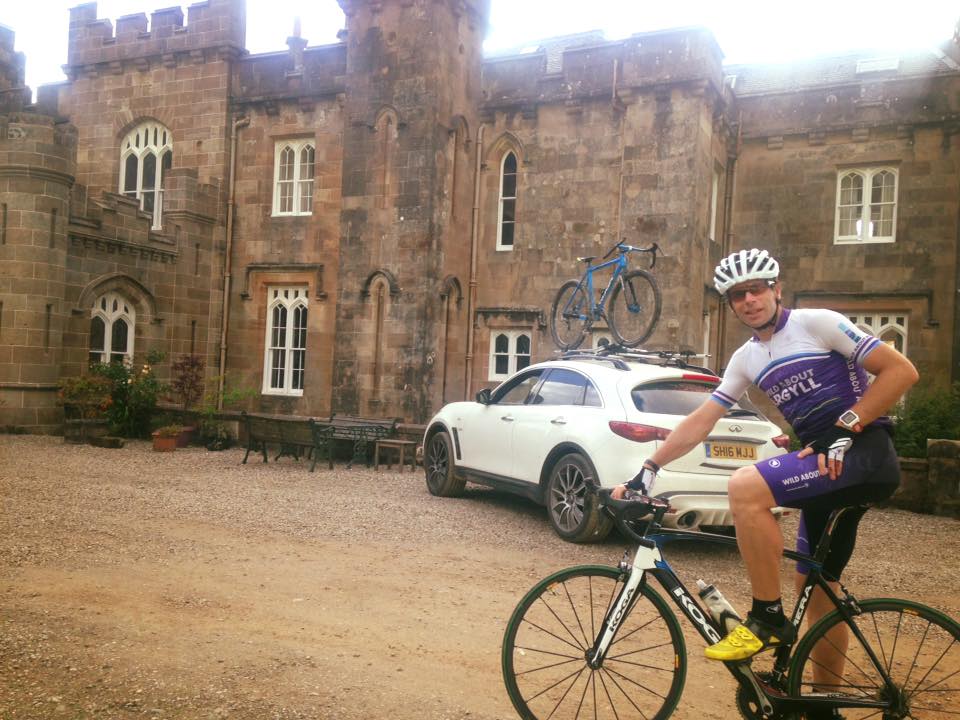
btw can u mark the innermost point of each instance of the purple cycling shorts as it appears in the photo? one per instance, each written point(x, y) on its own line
point(795, 481)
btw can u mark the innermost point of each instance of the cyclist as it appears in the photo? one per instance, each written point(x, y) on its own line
point(813, 365)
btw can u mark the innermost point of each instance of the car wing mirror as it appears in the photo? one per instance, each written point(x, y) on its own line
point(483, 397)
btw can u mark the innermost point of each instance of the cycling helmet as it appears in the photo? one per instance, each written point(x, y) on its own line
point(744, 265)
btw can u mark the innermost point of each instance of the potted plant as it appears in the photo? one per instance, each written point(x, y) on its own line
point(85, 400)
point(187, 385)
point(165, 438)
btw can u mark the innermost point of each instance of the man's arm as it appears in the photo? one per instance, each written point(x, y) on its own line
point(692, 430)
point(894, 375)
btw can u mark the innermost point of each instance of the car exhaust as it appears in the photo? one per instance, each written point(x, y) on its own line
point(688, 520)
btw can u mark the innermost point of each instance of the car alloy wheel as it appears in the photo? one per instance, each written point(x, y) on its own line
point(439, 468)
point(572, 503)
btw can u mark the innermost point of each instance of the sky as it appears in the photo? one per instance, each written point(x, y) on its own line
point(749, 31)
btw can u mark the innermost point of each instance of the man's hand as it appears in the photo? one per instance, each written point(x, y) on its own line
point(641, 483)
point(830, 448)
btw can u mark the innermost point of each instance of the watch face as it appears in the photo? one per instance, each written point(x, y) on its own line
point(849, 418)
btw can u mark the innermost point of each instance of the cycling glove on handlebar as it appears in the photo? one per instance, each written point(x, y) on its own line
point(834, 443)
point(644, 480)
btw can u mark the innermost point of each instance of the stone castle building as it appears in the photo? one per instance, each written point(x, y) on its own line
point(379, 225)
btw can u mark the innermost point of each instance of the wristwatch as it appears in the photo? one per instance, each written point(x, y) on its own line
point(851, 421)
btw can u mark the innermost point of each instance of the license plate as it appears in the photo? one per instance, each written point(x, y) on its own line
point(730, 451)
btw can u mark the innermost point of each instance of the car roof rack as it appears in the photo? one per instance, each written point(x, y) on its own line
point(618, 355)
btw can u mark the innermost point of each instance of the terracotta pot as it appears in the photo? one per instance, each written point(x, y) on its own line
point(185, 437)
point(163, 443)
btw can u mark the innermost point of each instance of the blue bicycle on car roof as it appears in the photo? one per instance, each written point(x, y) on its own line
point(634, 301)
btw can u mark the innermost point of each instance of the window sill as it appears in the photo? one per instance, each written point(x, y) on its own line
point(282, 393)
point(860, 241)
point(504, 248)
point(287, 215)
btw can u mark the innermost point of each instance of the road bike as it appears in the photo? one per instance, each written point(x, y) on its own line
point(634, 301)
point(600, 642)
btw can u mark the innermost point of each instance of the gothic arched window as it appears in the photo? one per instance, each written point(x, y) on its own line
point(507, 213)
point(112, 329)
point(146, 154)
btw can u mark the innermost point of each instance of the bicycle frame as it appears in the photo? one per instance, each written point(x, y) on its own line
point(620, 264)
point(649, 560)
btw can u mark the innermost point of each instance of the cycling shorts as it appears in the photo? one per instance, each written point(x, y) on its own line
point(871, 472)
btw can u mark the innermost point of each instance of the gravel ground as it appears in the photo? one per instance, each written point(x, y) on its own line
point(187, 585)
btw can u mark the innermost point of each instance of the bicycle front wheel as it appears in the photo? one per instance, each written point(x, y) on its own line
point(549, 634)
point(570, 315)
point(635, 306)
point(917, 646)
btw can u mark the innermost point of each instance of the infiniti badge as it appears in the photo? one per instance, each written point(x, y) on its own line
point(735, 428)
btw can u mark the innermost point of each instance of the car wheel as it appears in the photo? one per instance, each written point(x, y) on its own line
point(572, 501)
point(439, 468)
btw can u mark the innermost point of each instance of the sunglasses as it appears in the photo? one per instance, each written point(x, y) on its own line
point(739, 294)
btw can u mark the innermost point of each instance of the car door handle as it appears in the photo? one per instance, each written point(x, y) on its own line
point(508, 418)
point(559, 421)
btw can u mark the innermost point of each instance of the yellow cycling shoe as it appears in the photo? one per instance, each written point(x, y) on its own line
point(749, 638)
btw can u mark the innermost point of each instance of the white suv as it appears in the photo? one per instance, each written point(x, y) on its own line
point(556, 430)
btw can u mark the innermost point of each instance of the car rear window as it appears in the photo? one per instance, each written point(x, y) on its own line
point(682, 397)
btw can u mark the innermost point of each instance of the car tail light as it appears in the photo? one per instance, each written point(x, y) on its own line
point(638, 432)
point(782, 441)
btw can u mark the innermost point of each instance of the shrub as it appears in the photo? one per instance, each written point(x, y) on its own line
point(928, 412)
point(187, 383)
point(168, 430)
point(88, 396)
point(133, 394)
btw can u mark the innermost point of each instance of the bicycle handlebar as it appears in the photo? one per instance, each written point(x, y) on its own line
point(624, 248)
point(633, 507)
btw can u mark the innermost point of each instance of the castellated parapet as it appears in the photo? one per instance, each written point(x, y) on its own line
point(215, 26)
point(13, 92)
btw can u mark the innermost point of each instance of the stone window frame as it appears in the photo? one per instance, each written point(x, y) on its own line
point(505, 200)
point(111, 308)
point(511, 354)
point(291, 304)
point(867, 175)
point(302, 188)
point(887, 326)
point(146, 141)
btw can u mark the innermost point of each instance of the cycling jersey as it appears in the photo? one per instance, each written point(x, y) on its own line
point(812, 369)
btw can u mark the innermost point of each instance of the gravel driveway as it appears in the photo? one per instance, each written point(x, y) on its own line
point(186, 585)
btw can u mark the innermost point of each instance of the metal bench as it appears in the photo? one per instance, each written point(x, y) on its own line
point(292, 436)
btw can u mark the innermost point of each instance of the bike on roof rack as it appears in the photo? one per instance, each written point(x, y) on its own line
point(618, 355)
point(634, 306)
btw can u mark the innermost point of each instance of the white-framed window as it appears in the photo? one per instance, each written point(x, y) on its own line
point(146, 153)
point(112, 321)
point(509, 352)
point(507, 206)
point(890, 327)
point(293, 177)
point(285, 353)
point(866, 205)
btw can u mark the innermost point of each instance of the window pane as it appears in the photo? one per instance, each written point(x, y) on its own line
point(509, 188)
point(506, 234)
point(502, 364)
point(501, 344)
point(278, 334)
point(306, 163)
point(286, 164)
point(286, 197)
point(277, 375)
point(523, 345)
point(848, 220)
point(97, 329)
point(515, 391)
point(510, 163)
point(118, 336)
point(296, 378)
point(130, 174)
point(851, 190)
point(149, 171)
point(562, 387)
point(306, 197)
point(300, 328)
point(592, 396)
point(147, 201)
point(883, 187)
point(509, 210)
point(166, 162)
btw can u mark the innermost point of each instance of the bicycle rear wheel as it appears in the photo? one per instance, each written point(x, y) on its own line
point(570, 315)
point(919, 647)
point(635, 306)
point(548, 636)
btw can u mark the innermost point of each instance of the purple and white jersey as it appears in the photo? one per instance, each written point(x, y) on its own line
point(812, 369)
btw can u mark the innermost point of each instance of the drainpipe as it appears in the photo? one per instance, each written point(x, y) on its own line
point(228, 258)
point(728, 234)
point(472, 290)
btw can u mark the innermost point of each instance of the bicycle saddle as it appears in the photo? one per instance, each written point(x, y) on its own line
point(587, 259)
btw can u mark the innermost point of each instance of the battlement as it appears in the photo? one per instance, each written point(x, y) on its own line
point(38, 145)
point(558, 72)
point(216, 25)
point(271, 76)
point(13, 92)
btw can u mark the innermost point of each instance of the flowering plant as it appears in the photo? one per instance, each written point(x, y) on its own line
point(88, 396)
point(134, 393)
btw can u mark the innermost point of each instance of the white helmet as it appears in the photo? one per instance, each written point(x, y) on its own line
point(744, 265)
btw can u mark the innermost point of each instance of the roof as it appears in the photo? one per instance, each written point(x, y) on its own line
point(854, 67)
